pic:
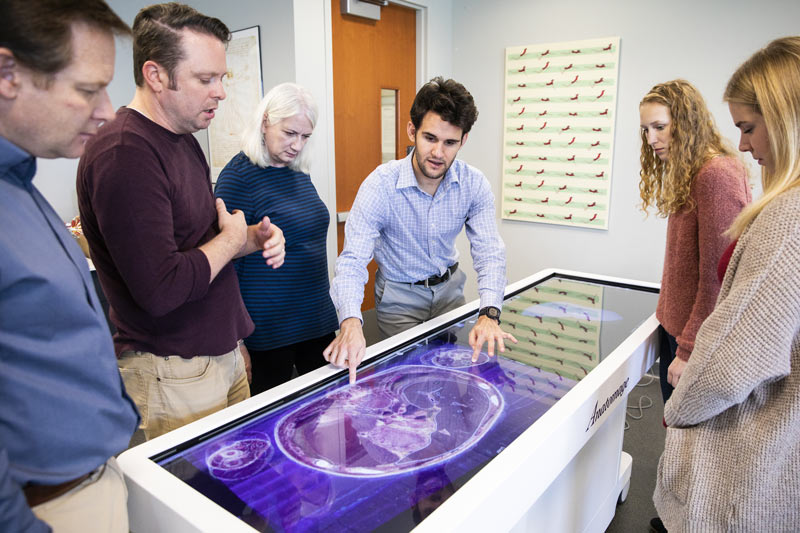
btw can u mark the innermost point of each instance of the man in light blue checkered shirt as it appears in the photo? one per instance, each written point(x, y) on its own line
point(408, 214)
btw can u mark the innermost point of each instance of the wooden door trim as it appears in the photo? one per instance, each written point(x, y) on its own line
point(370, 58)
point(314, 70)
point(422, 38)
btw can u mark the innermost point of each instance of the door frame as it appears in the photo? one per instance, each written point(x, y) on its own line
point(314, 70)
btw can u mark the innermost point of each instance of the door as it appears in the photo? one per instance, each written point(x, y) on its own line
point(370, 58)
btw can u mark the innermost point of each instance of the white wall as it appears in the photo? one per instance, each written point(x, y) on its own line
point(312, 47)
point(702, 41)
point(465, 39)
point(56, 178)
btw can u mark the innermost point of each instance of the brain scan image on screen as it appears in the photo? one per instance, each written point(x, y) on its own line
point(420, 421)
point(453, 356)
point(240, 456)
point(396, 421)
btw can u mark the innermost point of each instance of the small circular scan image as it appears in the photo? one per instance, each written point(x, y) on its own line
point(240, 456)
point(451, 356)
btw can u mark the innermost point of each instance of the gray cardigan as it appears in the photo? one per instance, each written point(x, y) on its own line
point(732, 455)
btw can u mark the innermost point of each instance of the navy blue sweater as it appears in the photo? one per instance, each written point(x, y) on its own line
point(292, 303)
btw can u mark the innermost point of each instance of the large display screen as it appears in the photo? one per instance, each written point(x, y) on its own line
point(384, 453)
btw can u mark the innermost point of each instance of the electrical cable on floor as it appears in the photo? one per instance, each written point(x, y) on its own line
point(636, 412)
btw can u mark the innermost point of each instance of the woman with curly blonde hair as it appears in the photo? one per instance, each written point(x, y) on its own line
point(690, 175)
point(731, 460)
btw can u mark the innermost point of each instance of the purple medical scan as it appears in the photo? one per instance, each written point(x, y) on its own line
point(382, 454)
point(239, 457)
point(366, 456)
point(399, 420)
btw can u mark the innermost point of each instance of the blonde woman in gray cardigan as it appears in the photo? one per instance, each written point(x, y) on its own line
point(732, 456)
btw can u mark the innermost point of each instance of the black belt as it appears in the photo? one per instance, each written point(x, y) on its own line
point(39, 494)
point(435, 280)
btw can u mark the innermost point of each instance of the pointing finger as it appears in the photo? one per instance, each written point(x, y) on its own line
point(352, 364)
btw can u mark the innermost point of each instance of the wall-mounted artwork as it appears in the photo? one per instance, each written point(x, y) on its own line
point(243, 93)
point(558, 132)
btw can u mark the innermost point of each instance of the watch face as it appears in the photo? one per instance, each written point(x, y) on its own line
point(491, 312)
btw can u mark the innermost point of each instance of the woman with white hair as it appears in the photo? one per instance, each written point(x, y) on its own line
point(290, 306)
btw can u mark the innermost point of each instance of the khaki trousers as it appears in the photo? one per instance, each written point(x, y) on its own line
point(171, 391)
point(98, 504)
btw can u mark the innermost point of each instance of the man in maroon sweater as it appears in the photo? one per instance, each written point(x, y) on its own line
point(161, 246)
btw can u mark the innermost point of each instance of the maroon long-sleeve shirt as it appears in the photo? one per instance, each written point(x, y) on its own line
point(146, 206)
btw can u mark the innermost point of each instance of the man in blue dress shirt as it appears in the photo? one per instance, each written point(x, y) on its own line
point(63, 410)
point(407, 214)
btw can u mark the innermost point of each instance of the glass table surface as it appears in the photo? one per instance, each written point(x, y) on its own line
point(420, 421)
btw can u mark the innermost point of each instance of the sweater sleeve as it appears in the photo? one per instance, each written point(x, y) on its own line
point(234, 189)
point(720, 192)
point(134, 214)
point(747, 340)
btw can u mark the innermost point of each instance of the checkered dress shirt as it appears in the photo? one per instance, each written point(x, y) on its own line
point(412, 234)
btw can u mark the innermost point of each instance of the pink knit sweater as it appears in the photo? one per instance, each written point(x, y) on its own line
point(695, 243)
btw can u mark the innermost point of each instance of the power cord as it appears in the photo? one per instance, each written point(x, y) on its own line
point(636, 411)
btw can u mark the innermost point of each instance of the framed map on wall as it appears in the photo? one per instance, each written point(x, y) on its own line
point(243, 89)
point(558, 132)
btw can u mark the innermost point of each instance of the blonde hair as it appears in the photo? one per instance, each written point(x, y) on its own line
point(667, 185)
point(282, 101)
point(769, 82)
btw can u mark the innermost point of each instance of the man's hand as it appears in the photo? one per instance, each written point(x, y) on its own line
point(231, 225)
point(268, 238)
point(233, 236)
point(347, 350)
point(248, 364)
point(487, 330)
point(675, 370)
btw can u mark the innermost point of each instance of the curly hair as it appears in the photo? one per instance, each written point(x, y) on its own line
point(667, 185)
point(769, 82)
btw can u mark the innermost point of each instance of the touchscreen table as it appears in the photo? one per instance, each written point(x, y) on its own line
point(421, 420)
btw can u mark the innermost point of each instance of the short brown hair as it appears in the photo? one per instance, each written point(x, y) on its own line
point(448, 99)
point(39, 32)
point(156, 36)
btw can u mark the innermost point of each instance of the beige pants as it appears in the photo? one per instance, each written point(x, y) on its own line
point(172, 391)
point(98, 504)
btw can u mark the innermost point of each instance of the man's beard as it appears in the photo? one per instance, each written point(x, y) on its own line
point(421, 166)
